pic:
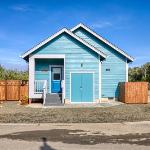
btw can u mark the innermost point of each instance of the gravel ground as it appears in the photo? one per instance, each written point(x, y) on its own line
point(12, 112)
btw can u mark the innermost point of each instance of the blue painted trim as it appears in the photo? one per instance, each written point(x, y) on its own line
point(93, 73)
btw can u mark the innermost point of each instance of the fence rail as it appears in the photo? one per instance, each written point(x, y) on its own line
point(13, 90)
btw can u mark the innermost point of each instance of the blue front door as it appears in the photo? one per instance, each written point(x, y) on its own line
point(82, 87)
point(56, 77)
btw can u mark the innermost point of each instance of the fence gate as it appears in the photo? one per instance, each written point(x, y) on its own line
point(12, 90)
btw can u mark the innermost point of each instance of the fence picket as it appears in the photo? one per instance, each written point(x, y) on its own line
point(13, 90)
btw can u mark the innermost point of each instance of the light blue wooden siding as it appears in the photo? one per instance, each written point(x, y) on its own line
point(114, 61)
point(75, 55)
point(42, 71)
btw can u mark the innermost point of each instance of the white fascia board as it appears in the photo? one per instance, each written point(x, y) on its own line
point(57, 34)
point(102, 39)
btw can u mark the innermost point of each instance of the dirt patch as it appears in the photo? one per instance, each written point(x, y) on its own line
point(79, 137)
point(11, 112)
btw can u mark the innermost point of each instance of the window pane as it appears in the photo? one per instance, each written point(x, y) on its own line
point(56, 70)
point(56, 76)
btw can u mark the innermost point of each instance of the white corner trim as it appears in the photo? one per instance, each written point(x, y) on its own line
point(102, 39)
point(127, 67)
point(31, 77)
point(64, 94)
point(57, 34)
point(100, 79)
point(93, 74)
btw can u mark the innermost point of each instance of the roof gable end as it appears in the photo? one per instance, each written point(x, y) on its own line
point(64, 30)
point(103, 40)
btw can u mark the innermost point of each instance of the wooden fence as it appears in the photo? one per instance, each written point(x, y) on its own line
point(13, 90)
point(133, 92)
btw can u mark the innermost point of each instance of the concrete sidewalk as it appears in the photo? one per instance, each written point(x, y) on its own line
point(114, 136)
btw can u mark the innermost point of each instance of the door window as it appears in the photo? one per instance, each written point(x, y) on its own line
point(56, 73)
point(56, 76)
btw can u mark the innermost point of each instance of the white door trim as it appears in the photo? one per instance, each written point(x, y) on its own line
point(93, 74)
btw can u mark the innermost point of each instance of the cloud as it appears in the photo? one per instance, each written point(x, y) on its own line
point(103, 24)
point(21, 8)
point(118, 21)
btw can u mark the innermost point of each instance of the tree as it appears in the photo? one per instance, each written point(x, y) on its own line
point(146, 72)
point(6, 74)
point(140, 73)
point(2, 73)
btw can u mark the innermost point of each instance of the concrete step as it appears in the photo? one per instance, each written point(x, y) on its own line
point(56, 96)
point(53, 100)
point(53, 104)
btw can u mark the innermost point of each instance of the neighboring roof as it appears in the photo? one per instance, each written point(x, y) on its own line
point(64, 30)
point(102, 39)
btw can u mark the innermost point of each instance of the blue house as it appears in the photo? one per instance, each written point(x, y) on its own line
point(76, 66)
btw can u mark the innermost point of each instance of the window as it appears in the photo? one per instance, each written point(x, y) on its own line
point(56, 76)
point(107, 69)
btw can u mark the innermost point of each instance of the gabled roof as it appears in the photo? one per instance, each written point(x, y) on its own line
point(103, 40)
point(64, 30)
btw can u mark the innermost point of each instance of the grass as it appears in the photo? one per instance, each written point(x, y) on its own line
point(13, 113)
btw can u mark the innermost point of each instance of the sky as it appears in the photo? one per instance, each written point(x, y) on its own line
point(24, 23)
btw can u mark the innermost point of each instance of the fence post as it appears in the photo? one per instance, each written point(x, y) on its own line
point(6, 90)
point(19, 89)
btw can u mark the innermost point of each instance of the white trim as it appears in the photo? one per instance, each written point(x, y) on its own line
point(31, 77)
point(127, 71)
point(100, 79)
point(102, 39)
point(93, 73)
point(50, 77)
point(64, 30)
point(54, 56)
point(64, 94)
